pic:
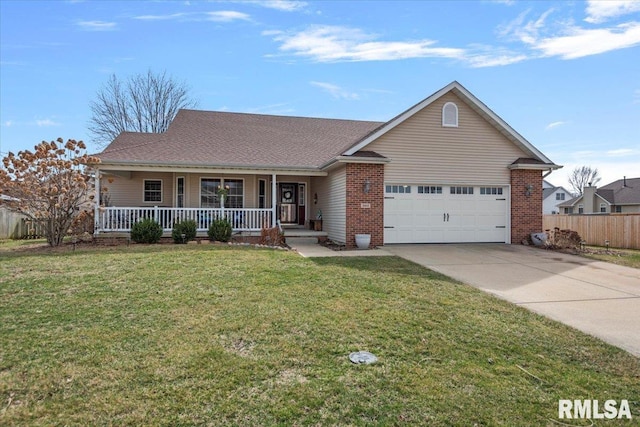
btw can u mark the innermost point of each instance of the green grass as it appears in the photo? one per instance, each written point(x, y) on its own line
point(8, 245)
point(626, 257)
point(192, 335)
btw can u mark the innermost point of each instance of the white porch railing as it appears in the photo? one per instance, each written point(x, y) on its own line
point(121, 219)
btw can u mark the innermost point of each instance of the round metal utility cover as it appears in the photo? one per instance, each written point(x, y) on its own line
point(363, 357)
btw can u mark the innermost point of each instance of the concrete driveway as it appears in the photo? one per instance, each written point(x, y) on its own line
point(598, 298)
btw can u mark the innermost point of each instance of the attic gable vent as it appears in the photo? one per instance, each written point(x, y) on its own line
point(450, 115)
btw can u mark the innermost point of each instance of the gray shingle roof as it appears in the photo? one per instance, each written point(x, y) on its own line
point(620, 193)
point(616, 193)
point(210, 138)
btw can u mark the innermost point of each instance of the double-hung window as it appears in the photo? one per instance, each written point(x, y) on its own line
point(209, 192)
point(152, 191)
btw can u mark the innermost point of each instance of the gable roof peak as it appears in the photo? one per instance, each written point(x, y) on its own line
point(478, 106)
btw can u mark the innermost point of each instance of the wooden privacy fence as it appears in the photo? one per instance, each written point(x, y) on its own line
point(14, 225)
point(621, 230)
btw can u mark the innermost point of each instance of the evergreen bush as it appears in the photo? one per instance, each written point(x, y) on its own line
point(146, 231)
point(187, 227)
point(220, 230)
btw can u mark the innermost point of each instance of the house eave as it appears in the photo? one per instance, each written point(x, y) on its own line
point(188, 168)
point(535, 166)
point(352, 159)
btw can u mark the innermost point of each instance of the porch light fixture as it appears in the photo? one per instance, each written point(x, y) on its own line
point(367, 186)
point(528, 189)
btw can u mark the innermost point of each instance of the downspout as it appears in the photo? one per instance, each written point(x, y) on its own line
point(96, 213)
point(273, 200)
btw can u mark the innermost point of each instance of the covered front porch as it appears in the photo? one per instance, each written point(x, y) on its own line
point(249, 200)
point(121, 219)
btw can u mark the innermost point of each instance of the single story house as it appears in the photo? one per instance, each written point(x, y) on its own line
point(447, 169)
point(553, 196)
point(621, 196)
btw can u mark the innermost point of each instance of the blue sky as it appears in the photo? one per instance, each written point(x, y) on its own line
point(566, 75)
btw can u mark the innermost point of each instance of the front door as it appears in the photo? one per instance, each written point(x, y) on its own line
point(288, 203)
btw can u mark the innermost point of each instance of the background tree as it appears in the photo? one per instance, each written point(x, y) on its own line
point(49, 185)
point(143, 103)
point(582, 176)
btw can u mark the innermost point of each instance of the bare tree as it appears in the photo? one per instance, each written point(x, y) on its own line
point(582, 176)
point(143, 103)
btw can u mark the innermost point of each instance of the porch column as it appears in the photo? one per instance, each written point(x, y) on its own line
point(96, 211)
point(274, 193)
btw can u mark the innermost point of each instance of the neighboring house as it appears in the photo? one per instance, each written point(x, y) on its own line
point(448, 169)
point(552, 196)
point(621, 196)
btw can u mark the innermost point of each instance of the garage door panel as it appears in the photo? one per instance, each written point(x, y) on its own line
point(441, 218)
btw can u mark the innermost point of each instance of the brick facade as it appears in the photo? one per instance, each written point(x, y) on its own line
point(526, 210)
point(365, 211)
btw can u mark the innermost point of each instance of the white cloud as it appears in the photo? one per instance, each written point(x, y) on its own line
point(600, 11)
point(579, 42)
point(216, 16)
point(282, 5)
point(161, 17)
point(555, 125)
point(97, 25)
point(227, 16)
point(564, 39)
point(333, 43)
point(8, 123)
point(46, 123)
point(623, 152)
point(336, 91)
point(636, 96)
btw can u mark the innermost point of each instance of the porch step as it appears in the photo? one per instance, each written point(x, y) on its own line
point(297, 241)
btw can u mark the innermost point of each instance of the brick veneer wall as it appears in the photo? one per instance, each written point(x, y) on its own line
point(365, 220)
point(526, 211)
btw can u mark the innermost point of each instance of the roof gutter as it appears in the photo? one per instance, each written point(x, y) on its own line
point(355, 159)
point(186, 168)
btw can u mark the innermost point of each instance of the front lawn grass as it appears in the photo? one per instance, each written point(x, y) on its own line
point(626, 257)
point(192, 335)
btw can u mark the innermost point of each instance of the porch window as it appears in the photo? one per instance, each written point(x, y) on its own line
point(152, 190)
point(209, 192)
point(180, 192)
point(262, 193)
point(235, 198)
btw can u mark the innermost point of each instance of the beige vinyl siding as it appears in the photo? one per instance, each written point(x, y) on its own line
point(124, 192)
point(422, 150)
point(331, 191)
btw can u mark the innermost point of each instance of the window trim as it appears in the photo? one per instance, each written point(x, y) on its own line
point(603, 208)
point(560, 196)
point(243, 190)
point(144, 190)
point(200, 191)
point(389, 188)
point(184, 187)
point(461, 190)
point(264, 196)
point(444, 122)
point(222, 182)
point(437, 189)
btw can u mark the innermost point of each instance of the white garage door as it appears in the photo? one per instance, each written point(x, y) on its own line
point(445, 214)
